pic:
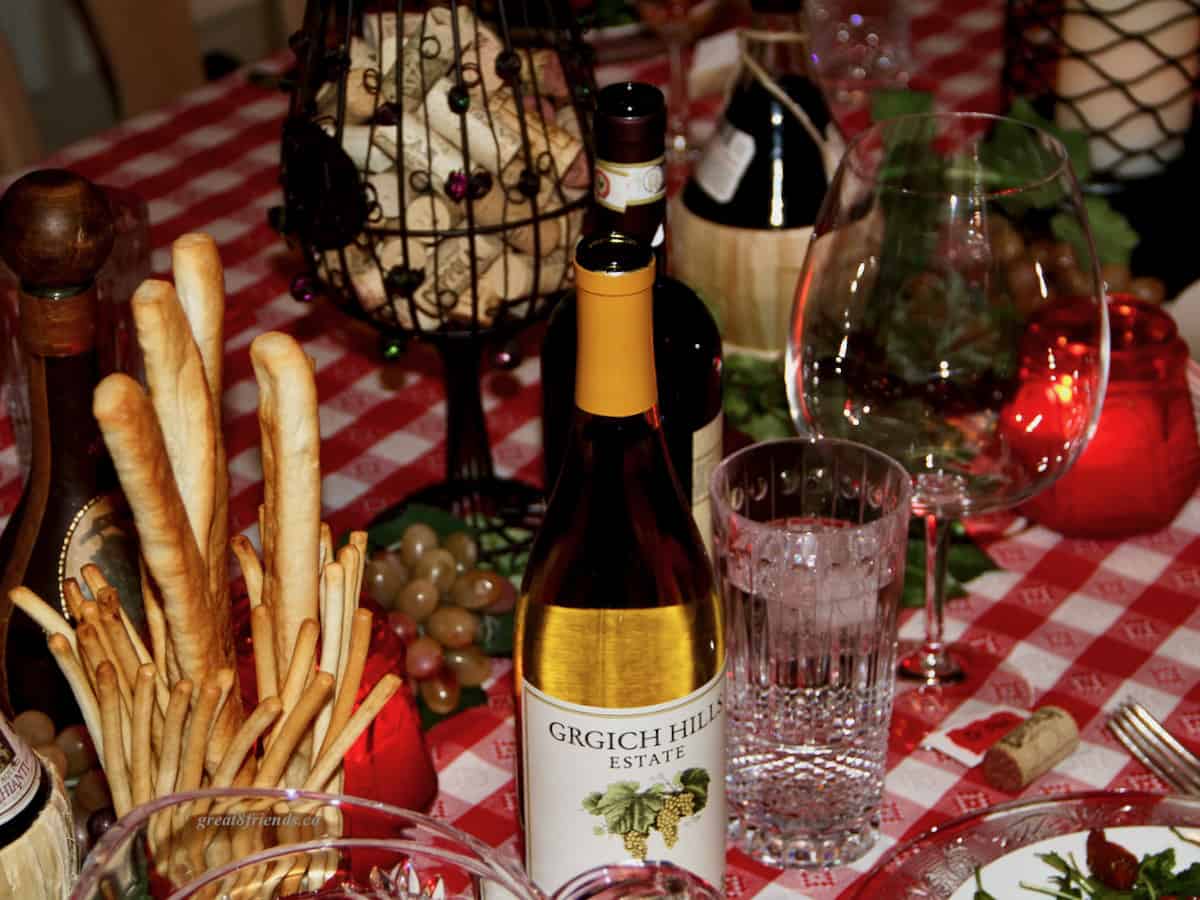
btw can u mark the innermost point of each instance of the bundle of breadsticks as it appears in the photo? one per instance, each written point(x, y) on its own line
point(166, 715)
point(417, 170)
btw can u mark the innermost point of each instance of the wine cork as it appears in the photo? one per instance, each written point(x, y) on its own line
point(423, 212)
point(494, 130)
point(362, 54)
point(511, 277)
point(502, 206)
point(541, 69)
point(568, 120)
point(362, 95)
point(485, 47)
point(424, 152)
point(381, 37)
point(425, 56)
point(1031, 749)
point(367, 145)
point(367, 274)
point(451, 258)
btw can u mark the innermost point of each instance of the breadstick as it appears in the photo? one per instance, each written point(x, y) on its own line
point(199, 628)
point(298, 671)
point(331, 756)
point(331, 648)
point(41, 612)
point(182, 402)
point(143, 707)
point(288, 737)
point(127, 659)
point(73, 594)
point(291, 439)
point(358, 540)
point(326, 545)
point(251, 568)
point(123, 653)
point(348, 557)
point(72, 669)
point(94, 579)
point(263, 637)
point(191, 765)
point(243, 742)
point(115, 766)
point(200, 283)
point(93, 654)
point(168, 763)
point(219, 741)
point(94, 617)
point(360, 642)
point(156, 624)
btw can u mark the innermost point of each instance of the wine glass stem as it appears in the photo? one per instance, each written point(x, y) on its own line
point(937, 542)
point(677, 106)
point(933, 663)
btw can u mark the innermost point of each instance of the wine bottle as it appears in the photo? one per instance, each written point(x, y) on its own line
point(766, 169)
point(619, 647)
point(630, 187)
point(55, 233)
point(38, 855)
point(763, 168)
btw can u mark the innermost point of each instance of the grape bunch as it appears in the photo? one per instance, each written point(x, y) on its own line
point(675, 807)
point(435, 594)
point(636, 843)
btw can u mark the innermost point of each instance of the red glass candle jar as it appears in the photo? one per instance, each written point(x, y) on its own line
point(1143, 463)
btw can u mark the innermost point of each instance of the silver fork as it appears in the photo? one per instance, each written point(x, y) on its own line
point(1155, 747)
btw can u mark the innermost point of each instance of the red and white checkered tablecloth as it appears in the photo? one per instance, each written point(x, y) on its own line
point(1082, 623)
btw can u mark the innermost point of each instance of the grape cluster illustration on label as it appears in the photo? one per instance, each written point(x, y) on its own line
point(633, 814)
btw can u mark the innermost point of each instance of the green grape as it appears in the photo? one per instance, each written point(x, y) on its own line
point(675, 807)
point(636, 843)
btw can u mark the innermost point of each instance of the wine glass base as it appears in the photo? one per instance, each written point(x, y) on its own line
point(931, 668)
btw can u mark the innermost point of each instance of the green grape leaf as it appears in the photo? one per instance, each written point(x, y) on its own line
point(888, 104)
point(496, 634)
point(755, 400)
point(624, 809)
point(695, 781)
point(966, 561)
point(1114, 236)
point(1075, 142)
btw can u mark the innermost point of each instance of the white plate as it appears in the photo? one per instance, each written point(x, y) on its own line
point(1002, 877)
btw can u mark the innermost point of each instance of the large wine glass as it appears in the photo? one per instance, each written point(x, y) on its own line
point(950, 313)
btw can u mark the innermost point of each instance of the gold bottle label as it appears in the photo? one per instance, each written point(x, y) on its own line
point(102, 534)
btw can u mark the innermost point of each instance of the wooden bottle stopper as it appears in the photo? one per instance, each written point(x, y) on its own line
point(56, 231)
point(1031, 749)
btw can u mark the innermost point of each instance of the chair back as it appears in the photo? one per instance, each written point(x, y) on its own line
point(149, 49)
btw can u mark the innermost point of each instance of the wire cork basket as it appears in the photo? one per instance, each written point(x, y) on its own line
point(436, 164)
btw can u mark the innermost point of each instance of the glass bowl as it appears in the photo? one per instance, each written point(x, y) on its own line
point(268, 843)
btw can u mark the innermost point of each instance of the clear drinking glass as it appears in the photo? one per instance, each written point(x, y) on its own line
point(809, 541)
point(270, 843)
point(950, 313)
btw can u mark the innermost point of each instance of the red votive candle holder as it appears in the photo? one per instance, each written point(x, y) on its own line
point(1143, 463)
